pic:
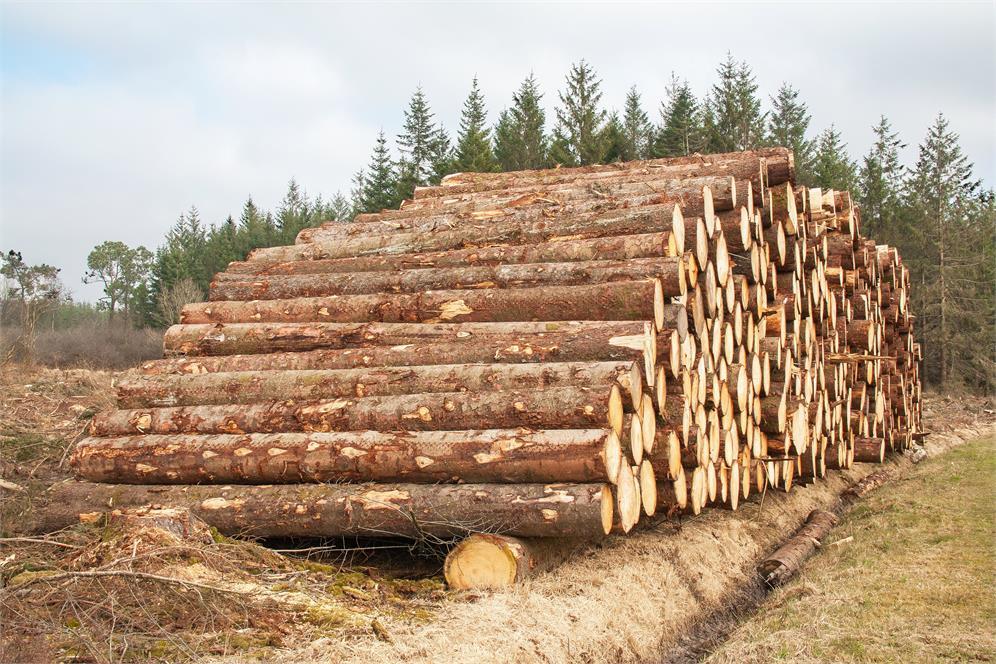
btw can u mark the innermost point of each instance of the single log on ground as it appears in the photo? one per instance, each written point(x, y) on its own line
point(487, 561)
point(621, 300)
point(616, 247)
point(786, 561)
point(404, 341)
point(492, 455)
point(669, 269)
point(558, 407)
point(412, 511)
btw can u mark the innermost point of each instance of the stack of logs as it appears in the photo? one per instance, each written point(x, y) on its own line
point(553, 353)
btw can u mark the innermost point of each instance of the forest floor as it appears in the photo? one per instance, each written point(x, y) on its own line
point(100, 593)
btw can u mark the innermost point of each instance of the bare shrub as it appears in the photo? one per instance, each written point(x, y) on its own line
point(172, 299)
point(99, 345)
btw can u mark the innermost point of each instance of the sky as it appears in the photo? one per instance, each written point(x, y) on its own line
point(115, 118)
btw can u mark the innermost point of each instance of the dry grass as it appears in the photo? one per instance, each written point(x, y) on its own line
point(915, 584)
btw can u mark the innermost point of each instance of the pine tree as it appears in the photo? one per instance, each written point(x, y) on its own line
point(737, 122)
point(340, 208)
point(294, 212)
point(442, 156)
point(787, 126)
point(636, 128)
point(520, 141)
point(880, 182)
point(474, 152)
point(578, 138)
point(951, 252)
point(681, 131)
point(613, 138)
point(379, 190)
point(418, 145)
point(832, 168)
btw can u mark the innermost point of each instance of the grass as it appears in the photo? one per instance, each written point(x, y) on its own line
point(916, 584)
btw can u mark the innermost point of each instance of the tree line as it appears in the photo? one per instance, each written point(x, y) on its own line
point(935, 211)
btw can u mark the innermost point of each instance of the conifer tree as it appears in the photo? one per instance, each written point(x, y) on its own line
point(520, 139)
point(832, 168)
point(636, 129)
point(613, 139)
point(294, 212)
point(787, 127)
point(442, 156)
point(880, 182)
point(340, 209)
point(578, 138)
point(379, 189)
point(681, 131)
point(418, 144)
point(950, 250)
point(474, 152)
point(735, 118)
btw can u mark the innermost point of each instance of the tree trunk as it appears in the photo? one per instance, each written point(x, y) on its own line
point(456, 232)
point(788, 559)
point(616, 247)
point(485, 561)
point(869, 450)
point(669, 270)
point(263, 386)
point(623, 300)
point(415, 511)
point(559, 407)
point(491, 455)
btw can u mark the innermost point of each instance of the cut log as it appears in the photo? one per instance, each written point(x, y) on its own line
point(265, 386)
point(669, 270)
point(616, 247)
point(869, 450)
point(414, 511)
point(494, 455)
point(622, 300)
point(485, 561)
point(559, 407)
point(788, 559)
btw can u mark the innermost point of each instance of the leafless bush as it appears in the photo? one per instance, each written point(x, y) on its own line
point(172, 299)
point(96, 345)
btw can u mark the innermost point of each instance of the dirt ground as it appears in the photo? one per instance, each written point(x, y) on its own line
point(106, 593)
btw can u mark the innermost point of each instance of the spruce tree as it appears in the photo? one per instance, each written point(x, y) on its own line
point(681, 131)
point(418, 145)
point(736, 120)
point(578, 139)
point(613, 138)
point(787, 127)
point(442, 156)
point(880, 182)
point(340, 209)
point(294, 213)
point(950, 252)
point(832, 168)
point(380, 181)
point(520, 141)
point(636, 129)
point(473, 151)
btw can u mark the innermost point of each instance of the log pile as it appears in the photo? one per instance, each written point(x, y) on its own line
point(558, 353)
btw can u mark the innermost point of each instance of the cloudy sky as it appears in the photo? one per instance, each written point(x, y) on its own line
point(114, 118)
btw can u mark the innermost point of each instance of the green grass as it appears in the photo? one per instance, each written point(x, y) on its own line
point(916, 584)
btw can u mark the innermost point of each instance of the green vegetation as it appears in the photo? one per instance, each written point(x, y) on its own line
point(915, 584)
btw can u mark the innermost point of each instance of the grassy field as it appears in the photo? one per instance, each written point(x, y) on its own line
point(917, 583)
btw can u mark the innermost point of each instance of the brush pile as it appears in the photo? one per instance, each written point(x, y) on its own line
point(554, 353)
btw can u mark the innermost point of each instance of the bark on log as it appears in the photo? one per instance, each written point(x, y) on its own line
point(264, 386)
point(786, 561)
point(623, 300)
point(559, 407)
point(669, 270)
point(869, 450)
point(618, 247)
point(381, 341)
point(485, 561)
point(490, 455)
point(413, 511)
point(457, 233)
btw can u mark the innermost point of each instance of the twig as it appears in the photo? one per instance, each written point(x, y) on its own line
point(129, 573)
point(39, 541)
